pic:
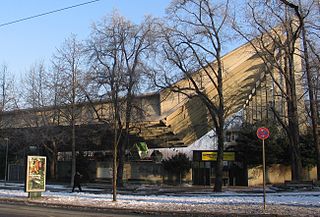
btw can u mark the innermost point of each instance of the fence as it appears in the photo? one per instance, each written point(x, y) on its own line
point(16, 172)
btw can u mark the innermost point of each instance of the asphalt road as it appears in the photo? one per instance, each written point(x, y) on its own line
point(21, 210)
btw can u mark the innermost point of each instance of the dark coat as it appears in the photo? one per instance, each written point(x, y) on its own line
point(77, 179)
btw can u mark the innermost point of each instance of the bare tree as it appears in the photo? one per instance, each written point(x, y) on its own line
point(68, 62)
point(7, 97)
point(117, 51)
point(192, 47)
point(276, 31)
point(136, 43)
point(35, 94)
point(308, 18)
point(40, 116)
point(107, 63)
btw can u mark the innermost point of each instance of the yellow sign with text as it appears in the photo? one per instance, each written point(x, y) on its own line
point(212, 156)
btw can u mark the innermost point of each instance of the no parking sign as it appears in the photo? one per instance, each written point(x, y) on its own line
point(263, 133)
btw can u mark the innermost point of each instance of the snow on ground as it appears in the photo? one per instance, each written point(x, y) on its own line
point(292, 204)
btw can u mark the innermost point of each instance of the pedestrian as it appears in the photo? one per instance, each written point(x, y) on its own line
point(77, 181)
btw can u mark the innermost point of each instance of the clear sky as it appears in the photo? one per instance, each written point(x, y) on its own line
point(22, 44)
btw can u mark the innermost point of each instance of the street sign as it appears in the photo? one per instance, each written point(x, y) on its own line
point(263, 133)
point(213, 155)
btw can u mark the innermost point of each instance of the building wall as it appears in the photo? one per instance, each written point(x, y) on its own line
point(144, 106)
point(145, 171)
point(277, 174)
point(134, 172)
point(150, 105)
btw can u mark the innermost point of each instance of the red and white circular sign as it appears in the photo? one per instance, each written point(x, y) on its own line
point(263, 133)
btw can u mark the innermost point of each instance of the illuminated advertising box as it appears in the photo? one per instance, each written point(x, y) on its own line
point(36, 174)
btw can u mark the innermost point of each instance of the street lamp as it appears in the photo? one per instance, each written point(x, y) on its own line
point(6, 168)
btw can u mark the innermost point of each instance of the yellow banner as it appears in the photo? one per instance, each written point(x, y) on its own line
point(212, 156)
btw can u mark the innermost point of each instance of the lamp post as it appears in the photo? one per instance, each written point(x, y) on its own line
point(6, 167)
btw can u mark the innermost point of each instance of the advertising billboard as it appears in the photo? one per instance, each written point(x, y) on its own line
point(36, 174)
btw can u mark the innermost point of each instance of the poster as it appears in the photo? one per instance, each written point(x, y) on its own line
point(36, 174)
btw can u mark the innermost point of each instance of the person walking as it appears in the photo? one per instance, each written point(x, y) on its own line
point(77, 181)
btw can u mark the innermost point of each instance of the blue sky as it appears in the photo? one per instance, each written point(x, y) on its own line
point(23, 44)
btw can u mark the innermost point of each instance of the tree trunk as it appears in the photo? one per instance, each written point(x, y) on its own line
point(313, 101)
point(219, 126)
point(114, 175)
point(114, 166)
point(124, 145)
point(121, 159)
point(53, 166)
point(73, 163)
point(296, 165)
point(292, 101)
point(219, 163)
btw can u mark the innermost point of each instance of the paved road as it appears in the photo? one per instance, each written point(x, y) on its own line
point(20, 210)
point(25, 210)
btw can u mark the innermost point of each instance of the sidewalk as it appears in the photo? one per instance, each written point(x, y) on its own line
point(149, 189)
point(187, 189)
point(177, 200)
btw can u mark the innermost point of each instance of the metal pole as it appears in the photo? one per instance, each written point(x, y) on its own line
point(264, 175)
point(6, 166)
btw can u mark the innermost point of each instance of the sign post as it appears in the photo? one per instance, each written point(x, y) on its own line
point(263, 133)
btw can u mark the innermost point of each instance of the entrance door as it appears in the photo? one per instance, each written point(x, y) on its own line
point(201, 176)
